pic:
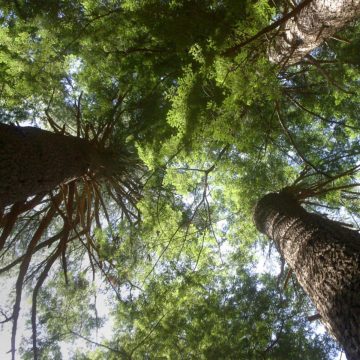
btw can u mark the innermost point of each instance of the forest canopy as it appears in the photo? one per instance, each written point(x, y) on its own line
point(136, 138)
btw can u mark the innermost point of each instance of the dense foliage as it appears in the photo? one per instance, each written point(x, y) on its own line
point(215, 130)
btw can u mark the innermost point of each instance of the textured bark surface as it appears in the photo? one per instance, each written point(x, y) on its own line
point(325, 257)
point(34, 160)
point(312, 25)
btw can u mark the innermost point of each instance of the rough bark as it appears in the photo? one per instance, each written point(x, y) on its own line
point(316, 22)
point(33, 161)
point(325, 257)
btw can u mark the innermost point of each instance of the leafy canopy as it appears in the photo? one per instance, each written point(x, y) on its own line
point(215, 133)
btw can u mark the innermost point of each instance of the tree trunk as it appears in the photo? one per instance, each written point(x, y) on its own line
point(33, 161)
point(314, 23)
point(325, 257)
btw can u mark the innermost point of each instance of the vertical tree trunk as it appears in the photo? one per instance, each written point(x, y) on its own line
point(310, 27)
point(34, 160)
point(325, 257)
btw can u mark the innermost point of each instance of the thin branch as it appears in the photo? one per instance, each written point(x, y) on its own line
point(26, 206)
point(277, 338)
point(302, 107)
point(313, 61)
point(7, 318)
point(124, 355)
point(300, 154)
point(38, 286)
point(313, 203)
point(79, 128)
point(234, 50)
point(8, 221)
point(288, 276)
point(25, 265)
point(213, 230)
point(320, 188)
point(314, 317)
point(56, 128)
point(148, 335)
point(38, 247)
point(200, 251)
point(335, 188)
point(102, 202)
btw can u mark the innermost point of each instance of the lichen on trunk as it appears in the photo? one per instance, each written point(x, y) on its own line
point(324, 256)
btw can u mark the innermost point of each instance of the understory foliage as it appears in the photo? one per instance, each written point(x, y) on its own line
point(195, 135)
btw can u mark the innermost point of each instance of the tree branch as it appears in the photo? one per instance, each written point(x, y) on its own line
point(233, 50)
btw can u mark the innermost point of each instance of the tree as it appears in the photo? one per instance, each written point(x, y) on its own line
point(35, 161)
point(314, 22)
point(62, 175)
point(303, 29)
point(216, 132)
point(324, 255)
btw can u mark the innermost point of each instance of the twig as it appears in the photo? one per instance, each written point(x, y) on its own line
point(314, 317)
point(38, 286)
point(121, 352)
point(25, 265)
point(313, 61)
point(288, 276)
point(148, 335)
point(287, 132)
point(302, 107)
point(7, 318)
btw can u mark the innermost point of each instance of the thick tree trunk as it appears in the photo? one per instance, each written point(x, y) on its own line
point(33, 161)
point(325, 258)
point(315, 22)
